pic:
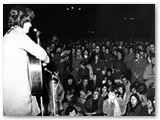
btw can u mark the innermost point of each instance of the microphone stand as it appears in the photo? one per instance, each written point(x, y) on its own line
point(52, 82)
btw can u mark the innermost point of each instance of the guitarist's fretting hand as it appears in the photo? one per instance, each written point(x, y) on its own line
point(44, 64)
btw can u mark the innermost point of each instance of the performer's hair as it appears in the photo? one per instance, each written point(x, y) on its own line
point(20, 15)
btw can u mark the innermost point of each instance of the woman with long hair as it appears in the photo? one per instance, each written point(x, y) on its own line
point(134, 107)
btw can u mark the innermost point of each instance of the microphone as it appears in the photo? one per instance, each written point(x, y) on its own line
point(36, 30)
point(48, 70)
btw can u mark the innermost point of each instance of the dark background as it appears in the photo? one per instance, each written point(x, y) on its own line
point(90, 20)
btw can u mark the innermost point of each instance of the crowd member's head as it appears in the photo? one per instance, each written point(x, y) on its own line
point(134, 87)
point(131, 49)
point(126, 50)
point(67, 49)
point(152, 56)
point(73, 51)
point(96, 95)
point(78, 52)
point(107, 50)
point(140, 46)
point(143, 53)
point(150, 102)
point(85, 80)
point(93, 45)
point(71, 111)
point(113, 93)
point(121, 89)
point(108, 43)
point(115, 52)
point(119, 54)
point(134, 99)
point(137, 53)
point(97, 49)
point(103, 48)
point(55, 39)
point(104, 88)
point(58, 48)
point(109, 72)
point(124, 79)
point(142, 89)
point(48, 50)
point(152, 48)
point(85, 53)
point(111, 81)
point(70, 80)
point(97, 57)
point(83, 47)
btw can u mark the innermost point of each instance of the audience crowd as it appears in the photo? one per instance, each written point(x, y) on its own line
point(113, 77)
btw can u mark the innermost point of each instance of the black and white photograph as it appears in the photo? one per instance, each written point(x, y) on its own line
point(81, 60)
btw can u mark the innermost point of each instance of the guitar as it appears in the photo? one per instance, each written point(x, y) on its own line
point(35, 71)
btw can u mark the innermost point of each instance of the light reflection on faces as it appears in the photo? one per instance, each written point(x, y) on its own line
point(73, 113)
point(95, 95)
point(104, 89)
point(134, 90)
point(111, 96)
point(120, 89)
point(85, 82)
point(109, 82)
point(149, 104)
point(107, 51)
point(70, 81)
point(137, 55)
point(109, 73)
point(78, 52)
point(124, 80)
point(134, 100)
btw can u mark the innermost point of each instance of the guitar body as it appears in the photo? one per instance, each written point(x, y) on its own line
point(35, 72)
point(35, 75)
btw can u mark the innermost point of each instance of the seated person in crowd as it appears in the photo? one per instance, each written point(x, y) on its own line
point(122, 96)
point(93, 106)
point(134, 107)
point(84, 90)
point(82, 71)
point(119, 65)
point(126, 83)
point(70, 88)
point(56, 95)
point(138, 67)
point(71, 111)
point(104, 91)
point(149, 74)
point(151, 106)
point(142, 92)
point(95, 83)
point(113, 106)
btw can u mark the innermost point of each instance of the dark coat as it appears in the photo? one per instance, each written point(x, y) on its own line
point(86, 107)
point(134, 111)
